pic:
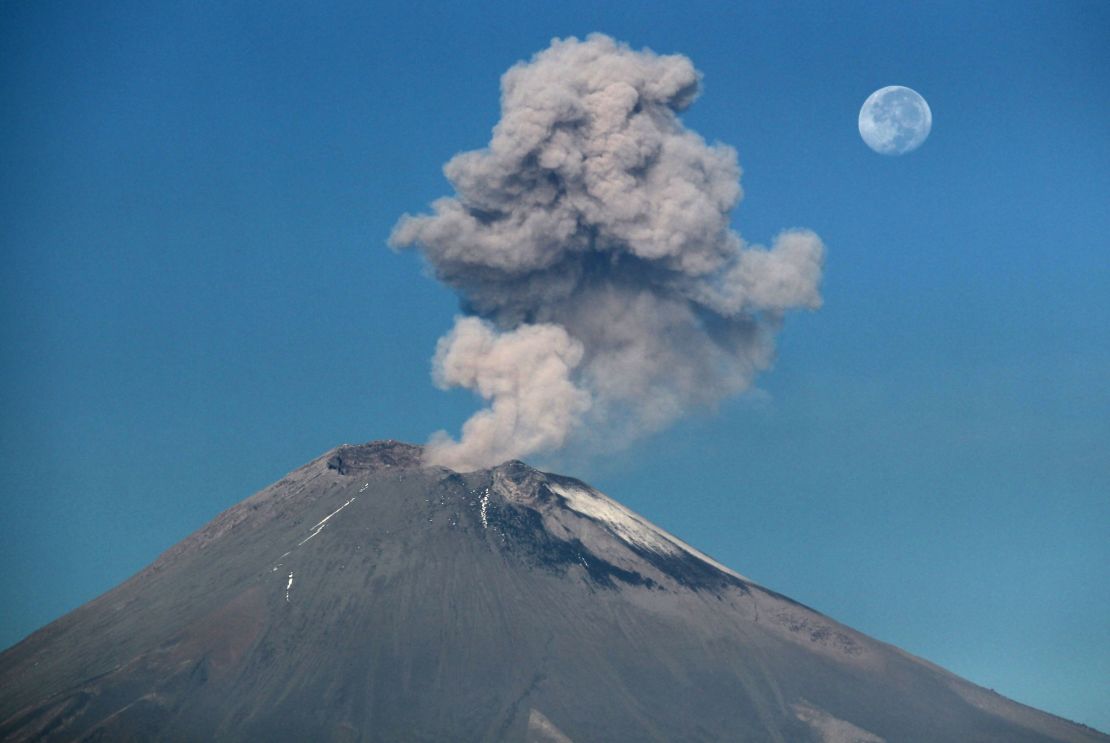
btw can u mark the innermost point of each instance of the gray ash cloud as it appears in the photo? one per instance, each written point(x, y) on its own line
point(605, 292)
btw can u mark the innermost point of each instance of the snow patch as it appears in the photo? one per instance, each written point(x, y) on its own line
point(288, 585)
point(542, 730)
point(832, 729)
point(318, 527)
point(484, 501)
point(630, 527)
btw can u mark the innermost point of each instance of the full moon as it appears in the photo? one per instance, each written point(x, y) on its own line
point(895, 120)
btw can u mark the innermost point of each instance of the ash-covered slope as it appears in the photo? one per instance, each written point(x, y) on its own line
point(367, 597)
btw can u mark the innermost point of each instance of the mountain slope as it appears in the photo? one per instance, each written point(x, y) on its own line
point(366, 597)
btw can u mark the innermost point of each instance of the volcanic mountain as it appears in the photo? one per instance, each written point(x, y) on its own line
point(367, 597)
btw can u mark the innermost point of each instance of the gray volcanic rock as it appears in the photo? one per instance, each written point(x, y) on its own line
point(365, 597)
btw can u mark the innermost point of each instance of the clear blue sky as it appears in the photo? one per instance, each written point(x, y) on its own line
point(197, 297)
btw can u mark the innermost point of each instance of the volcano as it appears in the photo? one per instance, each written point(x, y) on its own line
point(368, 597)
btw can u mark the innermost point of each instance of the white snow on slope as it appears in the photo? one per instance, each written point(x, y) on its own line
point(629, 526)
point(316, 529)
point(832, 729)
point(288, 585)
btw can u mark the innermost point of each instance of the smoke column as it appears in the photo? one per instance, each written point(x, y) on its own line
point(605, 292)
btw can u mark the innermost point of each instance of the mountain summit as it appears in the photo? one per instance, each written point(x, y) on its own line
point(367, 597)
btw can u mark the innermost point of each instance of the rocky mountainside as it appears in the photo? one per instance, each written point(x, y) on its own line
point(366, 597)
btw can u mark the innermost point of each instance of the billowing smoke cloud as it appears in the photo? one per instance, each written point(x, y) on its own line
point(605, 290)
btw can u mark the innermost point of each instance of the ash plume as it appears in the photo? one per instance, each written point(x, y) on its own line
point(606, 293)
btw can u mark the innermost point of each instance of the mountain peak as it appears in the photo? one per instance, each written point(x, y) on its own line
point(351, 458)
point(366, 596)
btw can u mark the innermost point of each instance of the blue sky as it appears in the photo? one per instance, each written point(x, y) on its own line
point(197, 296)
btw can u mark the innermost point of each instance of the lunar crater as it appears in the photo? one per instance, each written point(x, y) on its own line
point(895, 120)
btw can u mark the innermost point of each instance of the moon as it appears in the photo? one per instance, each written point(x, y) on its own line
point(895, 120)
